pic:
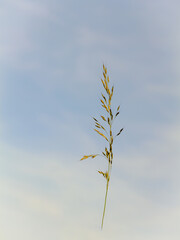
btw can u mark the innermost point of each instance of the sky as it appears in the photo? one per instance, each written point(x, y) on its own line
point(51, 57)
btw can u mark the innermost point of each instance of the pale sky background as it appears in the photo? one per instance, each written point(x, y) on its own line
point(51, 56)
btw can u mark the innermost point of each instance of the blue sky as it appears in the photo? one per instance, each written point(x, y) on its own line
point(51, 56)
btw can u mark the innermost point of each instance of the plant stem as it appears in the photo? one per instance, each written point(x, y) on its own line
point(107, 185)
point(109, 172)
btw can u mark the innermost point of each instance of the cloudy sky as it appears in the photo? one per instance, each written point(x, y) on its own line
point(51, 56)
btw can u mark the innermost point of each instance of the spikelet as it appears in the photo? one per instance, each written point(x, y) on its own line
point(101, 134)
point(120, 131)
point(102, 127)
point(107, 153)
point(97, 123)
point(104, 106)
point(95, 119)
point(111, 140)
point(111, 114)
point(104, 154)
point(103, 118)
point(103, 84)
point(108, 92)
point(104, 174)
point(106, 84)
point(117, 114)
point(109, 102)
point(109, 121)
point(104, 67)
point(102, 101)
point(112, 90)
point(104, 98)
point(87, 156)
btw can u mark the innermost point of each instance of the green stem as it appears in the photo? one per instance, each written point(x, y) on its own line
point(107, 185)
point(109, 171)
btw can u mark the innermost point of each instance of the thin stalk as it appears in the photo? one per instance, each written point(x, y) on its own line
point(108, 178)
point(108, 154)
point(107, 186)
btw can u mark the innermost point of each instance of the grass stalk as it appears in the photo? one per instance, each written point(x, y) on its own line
point(107, 186)
point(109, 137)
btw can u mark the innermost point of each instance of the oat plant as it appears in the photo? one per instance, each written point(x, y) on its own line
point(106, 131)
